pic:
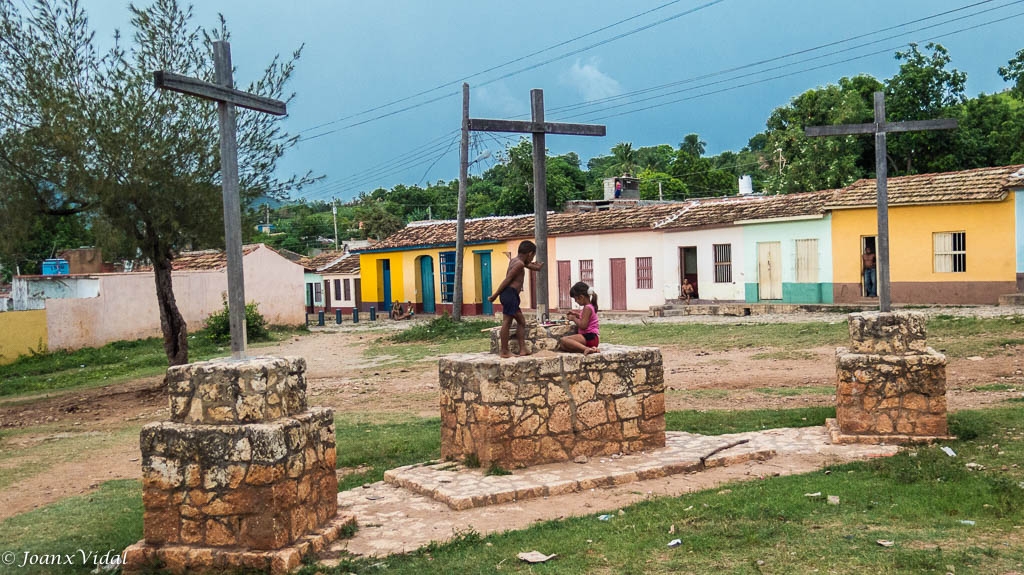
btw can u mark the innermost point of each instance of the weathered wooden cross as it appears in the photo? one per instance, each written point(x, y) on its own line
point(539, 128)
point(227, 97)
point(880, 128)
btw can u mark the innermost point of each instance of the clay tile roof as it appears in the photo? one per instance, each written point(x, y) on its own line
point(346, 265)
point(442, 232)
point(727, 211)
point(978, 185)
point(322, 260)
point(204, 260)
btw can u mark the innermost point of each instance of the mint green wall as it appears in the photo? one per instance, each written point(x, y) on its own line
point(786, 233)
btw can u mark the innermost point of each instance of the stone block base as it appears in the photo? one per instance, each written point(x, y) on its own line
point(839, 438)
point(178, 559)
point(551, 407)
point(891, 394)
point(255, 485)
point(460, 488)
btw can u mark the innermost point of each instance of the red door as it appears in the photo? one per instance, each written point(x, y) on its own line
point(618, 283)
point(564, 284)
point(327, 295)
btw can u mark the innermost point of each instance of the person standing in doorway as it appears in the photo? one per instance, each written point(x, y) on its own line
point(870, 273)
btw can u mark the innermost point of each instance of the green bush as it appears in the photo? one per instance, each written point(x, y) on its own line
point(218, 325)
point(444, 328)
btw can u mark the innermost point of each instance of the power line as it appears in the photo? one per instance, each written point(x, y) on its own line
point(787, 55)
point(827, 65)
point(510, 74)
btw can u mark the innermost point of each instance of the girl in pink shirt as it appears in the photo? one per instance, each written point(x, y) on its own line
point(587, 338)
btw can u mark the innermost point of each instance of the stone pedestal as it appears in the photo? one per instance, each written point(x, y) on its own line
point(551, 407)
point(242, 476)
point(891, 387)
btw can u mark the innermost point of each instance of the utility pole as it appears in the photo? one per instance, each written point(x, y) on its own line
point(460, 224)
point(660, 197)
point(267, 211)
point(334, 214)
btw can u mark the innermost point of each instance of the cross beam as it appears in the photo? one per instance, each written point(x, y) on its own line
point(880, 128)
point(227, 97)
point(538, 128)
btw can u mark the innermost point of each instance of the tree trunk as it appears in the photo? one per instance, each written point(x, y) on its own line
point(171, 323)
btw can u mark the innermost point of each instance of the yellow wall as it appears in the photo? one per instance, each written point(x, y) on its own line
point(21, 332)
point(405, 273)
point(990, 237)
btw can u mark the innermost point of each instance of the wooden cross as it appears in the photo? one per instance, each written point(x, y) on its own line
point(880, 128)
point(539, 128)
point(227, 97)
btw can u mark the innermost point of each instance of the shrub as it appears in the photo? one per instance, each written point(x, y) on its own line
point(218, 325)
point(444, 328)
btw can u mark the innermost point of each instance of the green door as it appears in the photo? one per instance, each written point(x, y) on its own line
point(427, 283)
point(485, 282)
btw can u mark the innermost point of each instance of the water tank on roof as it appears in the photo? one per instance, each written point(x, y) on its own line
point(746, 186)
point(56, 267)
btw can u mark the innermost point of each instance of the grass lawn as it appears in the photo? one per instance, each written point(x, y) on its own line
point(917, 499)
point(113, 363)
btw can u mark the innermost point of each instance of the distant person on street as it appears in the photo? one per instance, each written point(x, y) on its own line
point(870, 273)
point(686, 290)
point(409, 311)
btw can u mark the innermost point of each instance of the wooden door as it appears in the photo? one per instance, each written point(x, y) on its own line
point(486, 289)
point(564, 285)
point(618, 269)
point(358, 287)
point(769, 270)
point(327, 295)
point(427, 283)
point(688, 268)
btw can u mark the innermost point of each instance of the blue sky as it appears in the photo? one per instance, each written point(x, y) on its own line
point(362, 55)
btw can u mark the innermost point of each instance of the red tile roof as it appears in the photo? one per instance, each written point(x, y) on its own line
point(978, 185)
point(346, 265)
point(983, 184)
point(207, 260)
point(322, 260)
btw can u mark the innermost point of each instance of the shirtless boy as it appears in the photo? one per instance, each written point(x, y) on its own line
point(508, 290)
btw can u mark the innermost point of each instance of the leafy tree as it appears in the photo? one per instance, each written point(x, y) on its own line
point(798, 163)
point(698, 174)
point(923, 89)
point(377, 222)
point(84, 133)
point(1013, 71)
point(658, 158)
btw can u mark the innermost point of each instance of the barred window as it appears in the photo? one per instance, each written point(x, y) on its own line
point(950, 252)
point(644, 274)
point(447, 277)
point(587, 272)
point(337, 289)
point(317, 293)
point(723, 263)
point(348, 289)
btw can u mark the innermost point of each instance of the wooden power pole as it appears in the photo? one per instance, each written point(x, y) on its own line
point(460, 222)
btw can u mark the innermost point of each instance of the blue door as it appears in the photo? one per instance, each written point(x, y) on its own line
point(386, 278)
point(485, 283)
point(427, 283)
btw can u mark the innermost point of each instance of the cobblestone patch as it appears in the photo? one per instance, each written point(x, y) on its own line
point(397, 519)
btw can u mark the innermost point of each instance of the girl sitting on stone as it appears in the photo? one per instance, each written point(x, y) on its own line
point(587, 338)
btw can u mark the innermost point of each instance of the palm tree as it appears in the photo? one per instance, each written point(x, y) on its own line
point(625, 159)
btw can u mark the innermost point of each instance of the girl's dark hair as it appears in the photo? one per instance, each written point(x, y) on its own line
point(581, 288)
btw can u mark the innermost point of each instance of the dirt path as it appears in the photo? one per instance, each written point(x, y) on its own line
point(342, 377)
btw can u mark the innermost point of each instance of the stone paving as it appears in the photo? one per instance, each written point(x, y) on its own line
point(395, 519)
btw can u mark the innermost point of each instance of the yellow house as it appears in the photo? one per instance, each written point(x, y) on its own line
point(954, 237)
point(417, 264)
